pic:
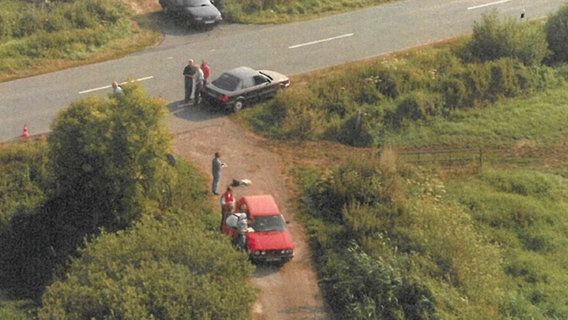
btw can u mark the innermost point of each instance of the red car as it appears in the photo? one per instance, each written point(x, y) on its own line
point(267, 238)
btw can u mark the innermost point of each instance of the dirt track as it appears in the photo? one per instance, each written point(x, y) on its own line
point(289, 292)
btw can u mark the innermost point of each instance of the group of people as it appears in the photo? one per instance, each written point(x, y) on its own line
point(237, 220)
point(195, 78)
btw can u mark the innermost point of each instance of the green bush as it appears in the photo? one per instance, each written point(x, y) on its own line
point(418, 105)
point(359, 130)
point(494, 39)
point(386, 239)
point(556, 30)
point(16, 309)
point(503, 81)
point(365, 288)
point(455, 93)
point(25, 182)
point(24, 177)
point(108, 163)
point(161, 269)
point(110, 157)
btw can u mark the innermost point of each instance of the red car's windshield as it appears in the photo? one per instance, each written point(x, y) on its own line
point(268, 223)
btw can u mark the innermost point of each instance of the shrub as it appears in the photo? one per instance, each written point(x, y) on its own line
point(455, 93)
point(24, 186)
point(394, 227)
point(494, 39)
point(365, 288)
point(166, 269)
point(399, 78)
point(361, 129)
point(110, 157)
point(503, 81)
point(556, 29)
point(418, 105)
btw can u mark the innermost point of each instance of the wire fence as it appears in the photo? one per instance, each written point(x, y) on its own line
point(470, 159)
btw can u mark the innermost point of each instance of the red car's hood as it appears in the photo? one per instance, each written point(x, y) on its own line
point(277, 240)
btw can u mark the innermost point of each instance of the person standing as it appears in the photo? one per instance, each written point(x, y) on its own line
point(188, 74)
point(116, 89)
point(206, 71)
point(216, 167)
point(227, 204)
point(199, 78)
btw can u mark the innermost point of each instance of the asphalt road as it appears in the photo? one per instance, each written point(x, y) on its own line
point(291, 49)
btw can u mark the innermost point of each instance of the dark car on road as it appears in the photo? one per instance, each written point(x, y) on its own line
point(194, 13)
point(242, 86)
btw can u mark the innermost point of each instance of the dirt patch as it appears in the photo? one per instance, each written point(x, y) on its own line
point(287, 292)
point(140, 7)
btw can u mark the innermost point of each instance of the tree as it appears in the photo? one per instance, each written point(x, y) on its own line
point(168, 268)
point(110, 158)
point(557, 34)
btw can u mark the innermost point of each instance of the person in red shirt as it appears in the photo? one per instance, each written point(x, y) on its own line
point(227, 203)
point(206, 71)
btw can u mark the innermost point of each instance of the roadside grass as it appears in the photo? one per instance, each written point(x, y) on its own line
point(282, 11)
point(62, 35)
point(537, 121)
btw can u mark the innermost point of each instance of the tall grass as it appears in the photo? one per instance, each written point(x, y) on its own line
point(24, 175)
point(523, 212)
point(395, 225)
point(56, 33)
point(538, 120)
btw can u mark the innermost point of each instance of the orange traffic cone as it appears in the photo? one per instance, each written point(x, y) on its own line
point(25, 134)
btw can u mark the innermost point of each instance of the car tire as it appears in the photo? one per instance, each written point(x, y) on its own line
point(239, 104)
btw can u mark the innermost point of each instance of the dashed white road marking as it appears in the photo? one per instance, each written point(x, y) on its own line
point(488, 4)
point(320, 41)
point(106, 87)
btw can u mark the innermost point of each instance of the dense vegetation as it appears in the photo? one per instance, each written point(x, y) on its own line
point(104, 216)
point(395, 241)
point(410, 244)
point(365, 103)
